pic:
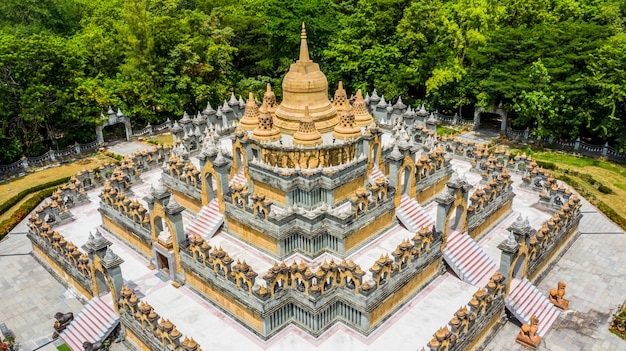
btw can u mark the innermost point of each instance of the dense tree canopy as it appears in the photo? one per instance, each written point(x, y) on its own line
point(557, 66)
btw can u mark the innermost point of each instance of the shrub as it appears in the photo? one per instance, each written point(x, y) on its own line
point(605, 189)
point(546, 165)
point(8, 224)
point(22, 194)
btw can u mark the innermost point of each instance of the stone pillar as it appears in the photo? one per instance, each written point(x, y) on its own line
point(77, 148)
point(503, 123)
point(477, 113)
point(51, 155)
point(526, 134)
point(605, 149)
point(99, 135)
point(509, 248)
point(577, 144)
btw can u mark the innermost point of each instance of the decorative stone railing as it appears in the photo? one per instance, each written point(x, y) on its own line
point(146, 160)
point(50, 157)
point(489, 200)
point(550, 236)
point(183, 177)
point(294, 220)
point(312, 299)
point(577, 146)
point(64, 254)
point(153, 331)
point(535, 177)
point(465, 330)
point(131, 212)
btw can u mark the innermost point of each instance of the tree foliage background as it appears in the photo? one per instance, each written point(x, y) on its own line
point(557, 66)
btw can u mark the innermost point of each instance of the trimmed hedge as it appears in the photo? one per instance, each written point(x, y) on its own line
point(23, 211)
point(604, 208)
point(22, 194)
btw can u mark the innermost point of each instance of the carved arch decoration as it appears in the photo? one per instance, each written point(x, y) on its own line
point(158, 212)
point(208, 169)
point(519, 262)
point(408, 165)
point(96, 266)
point(459, 201)
point(375, 147)
point(239, 150)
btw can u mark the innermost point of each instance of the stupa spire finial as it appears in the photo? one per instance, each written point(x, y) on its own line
point(304, 48)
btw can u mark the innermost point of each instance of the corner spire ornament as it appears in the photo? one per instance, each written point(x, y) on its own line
point(304, 48)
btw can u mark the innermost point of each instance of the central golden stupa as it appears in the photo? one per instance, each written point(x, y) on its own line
point(305, 86)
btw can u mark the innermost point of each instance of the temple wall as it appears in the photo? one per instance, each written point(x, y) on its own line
point(252, 235)
point(127, 235)
point(483, 330)
point(432, 190)
point(477, 229)
point(342, 192)
point(226, 302)
point(271, 192)
point(41, 255)
point(368, 230)
point(190, 203)
point(407, 291)
point(538, 267)
point(135, 340)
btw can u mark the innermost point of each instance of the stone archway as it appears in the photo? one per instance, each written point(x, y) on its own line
point(498, 110)
point(452, 206)
point(113, 119)
point(209, 175)
point(518, 269)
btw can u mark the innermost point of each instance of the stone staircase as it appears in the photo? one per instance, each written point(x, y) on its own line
point(239, 178)
point(208, 221)
point(525, 300)
point(376, 173)
point(412, 215)
point(94, 323)
point(467, 259)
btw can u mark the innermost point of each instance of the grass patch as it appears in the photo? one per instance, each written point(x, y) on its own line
point(163, 139)
point(601, 182)
point(443, 130)
point(17, 185)
point(63, 347)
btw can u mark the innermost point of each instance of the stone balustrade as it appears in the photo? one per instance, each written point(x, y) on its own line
point(147, 328)
point(467, 327)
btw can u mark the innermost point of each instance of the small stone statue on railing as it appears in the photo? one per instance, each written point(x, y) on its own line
point(97, 346)
point(62, 321)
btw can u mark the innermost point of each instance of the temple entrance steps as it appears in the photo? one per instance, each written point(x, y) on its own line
point(412, 215)
point(94, 323)
point(208, 221)
point(525, 300)
point(467, 259)
point(376, 173)
point(239, 178)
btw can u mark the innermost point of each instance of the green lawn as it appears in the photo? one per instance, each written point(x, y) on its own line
point(611, 175)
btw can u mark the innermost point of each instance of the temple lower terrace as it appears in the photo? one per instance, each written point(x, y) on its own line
point(313, 224)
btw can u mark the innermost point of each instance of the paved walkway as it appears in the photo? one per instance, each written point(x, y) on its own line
point(593, 269)
point(30, 296)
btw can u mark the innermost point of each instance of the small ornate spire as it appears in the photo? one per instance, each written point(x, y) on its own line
point(251, 115)
point(265, 129)
point(307, 134)
point(347, 127)
point(304, 48)
point(361, 116)
point(341, 99)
